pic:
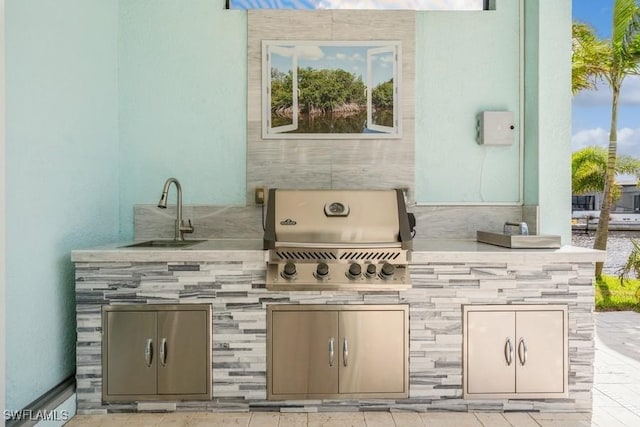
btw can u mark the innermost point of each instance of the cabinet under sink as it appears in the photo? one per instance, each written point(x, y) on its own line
point(156, 352)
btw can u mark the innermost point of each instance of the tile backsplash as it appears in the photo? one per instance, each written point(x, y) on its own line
point(330, 163)
point(245, 222)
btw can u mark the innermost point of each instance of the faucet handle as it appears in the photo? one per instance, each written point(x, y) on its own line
point(186, 228)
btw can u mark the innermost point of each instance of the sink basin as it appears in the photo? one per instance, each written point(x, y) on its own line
point(519, 241)
point(156, 244)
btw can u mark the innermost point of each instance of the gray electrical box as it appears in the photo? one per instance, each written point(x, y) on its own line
point(496, 128)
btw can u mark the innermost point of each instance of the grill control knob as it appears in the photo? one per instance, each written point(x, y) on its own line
point(387, 271)
point(289, 271)
point(354, 271)
point(371, 270)
point(322, 270)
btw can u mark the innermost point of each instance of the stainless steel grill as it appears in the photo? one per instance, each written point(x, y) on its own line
point(337, 239)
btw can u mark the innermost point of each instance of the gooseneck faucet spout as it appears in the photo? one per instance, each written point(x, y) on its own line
point(180, 228)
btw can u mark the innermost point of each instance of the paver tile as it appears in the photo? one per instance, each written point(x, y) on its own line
point(264, 419)
point(450, 419)
point(336, 419)
point(407, 419)
point(379, 419)
point(520, 419)
point(492, 419)
point(293, 420)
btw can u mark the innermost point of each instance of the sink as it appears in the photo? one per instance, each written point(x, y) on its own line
point(156, 244)
point(519, 241)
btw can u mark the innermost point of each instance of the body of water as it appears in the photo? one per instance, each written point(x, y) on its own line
point(619, 247)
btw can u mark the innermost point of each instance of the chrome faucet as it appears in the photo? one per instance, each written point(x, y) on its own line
point(523, 228)
point(180, 227)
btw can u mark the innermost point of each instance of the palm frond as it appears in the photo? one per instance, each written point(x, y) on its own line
point(632, 264)
point(590, 58)
point(589, 170)
point(625, 41)
point(624, 12)
point(628, 165)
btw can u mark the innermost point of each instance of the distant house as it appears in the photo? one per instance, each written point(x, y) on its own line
point(625, 213)
point(629, 202)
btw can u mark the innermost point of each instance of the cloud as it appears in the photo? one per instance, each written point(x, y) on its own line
point(310, 52)
point(585, 138)
point(601, 95)
point(630, 93)
point(628, 140)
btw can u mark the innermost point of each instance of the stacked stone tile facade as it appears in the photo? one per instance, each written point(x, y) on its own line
point(235, 287)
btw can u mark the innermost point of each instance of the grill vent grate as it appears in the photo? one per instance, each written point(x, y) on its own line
point(349, 255)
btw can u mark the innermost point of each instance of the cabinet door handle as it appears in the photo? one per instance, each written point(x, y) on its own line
point(522, 351)
point(345, 352)
point(508, 351)
point(331, 353)
point(148, 352)
point(163, 352)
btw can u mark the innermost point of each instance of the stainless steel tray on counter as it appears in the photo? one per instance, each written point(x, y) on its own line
point(519, 241)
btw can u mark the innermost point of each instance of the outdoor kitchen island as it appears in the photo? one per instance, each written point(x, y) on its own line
point(230, 276)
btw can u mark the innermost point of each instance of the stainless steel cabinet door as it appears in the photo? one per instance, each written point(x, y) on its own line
point(302, 360)
point(131, 352)
point(540, 352)
point(372, 352)
point(182, 352)
point(490, 352)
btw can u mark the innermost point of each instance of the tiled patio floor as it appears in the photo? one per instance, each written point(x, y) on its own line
point(616, 398)
point(616, 393)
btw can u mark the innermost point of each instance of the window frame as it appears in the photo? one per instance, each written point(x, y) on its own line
point(285, 132)
point(486, 5)
point(583, 202)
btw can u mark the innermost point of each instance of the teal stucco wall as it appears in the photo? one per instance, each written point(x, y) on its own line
point(467, 63)
point(61, 176)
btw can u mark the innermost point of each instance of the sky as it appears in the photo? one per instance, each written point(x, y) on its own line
point(345, 57)
point(359, 4)
point(591, 113)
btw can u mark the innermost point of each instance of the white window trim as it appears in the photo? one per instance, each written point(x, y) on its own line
point(282, 47)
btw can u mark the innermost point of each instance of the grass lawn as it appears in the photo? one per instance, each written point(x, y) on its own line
point(612, 296)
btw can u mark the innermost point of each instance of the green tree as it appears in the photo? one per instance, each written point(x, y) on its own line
point(621, 59)
point(327, 90)
point(382, 95)
point(589, 170)
point(281, 90)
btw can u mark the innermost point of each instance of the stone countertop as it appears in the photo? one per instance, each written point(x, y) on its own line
point(424, 251)
point(459, 251)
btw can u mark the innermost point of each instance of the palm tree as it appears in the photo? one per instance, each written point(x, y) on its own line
point(589, 170)
point(621, 60)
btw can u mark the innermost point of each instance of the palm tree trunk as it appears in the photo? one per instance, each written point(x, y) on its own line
point(605, 210)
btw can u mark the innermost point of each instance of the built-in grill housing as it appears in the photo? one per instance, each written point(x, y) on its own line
point(335, 239)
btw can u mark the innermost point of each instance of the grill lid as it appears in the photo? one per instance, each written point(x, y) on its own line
point(337, 218)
